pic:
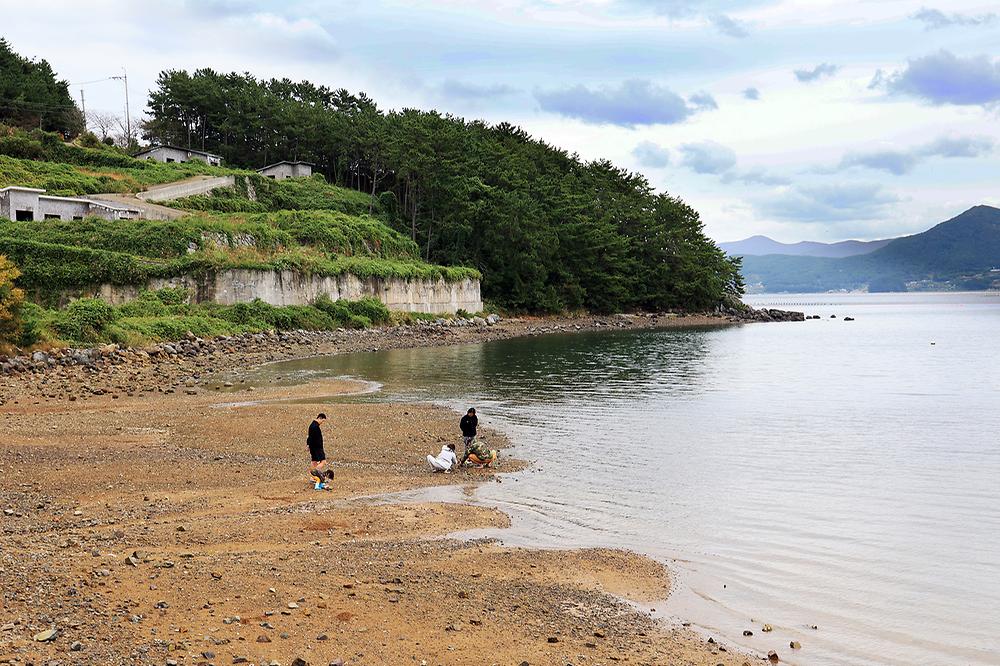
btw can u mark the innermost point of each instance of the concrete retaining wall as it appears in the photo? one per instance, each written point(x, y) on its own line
point(290, 288)
point(185, 188)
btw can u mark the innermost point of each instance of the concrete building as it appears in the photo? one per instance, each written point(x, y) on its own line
point(166, 153)
point(27, 204)
point(286, 169)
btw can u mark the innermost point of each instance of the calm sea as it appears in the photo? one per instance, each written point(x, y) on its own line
point(843, 475)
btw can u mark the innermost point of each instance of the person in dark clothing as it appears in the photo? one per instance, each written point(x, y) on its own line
point(317, 454)
point(468, 424)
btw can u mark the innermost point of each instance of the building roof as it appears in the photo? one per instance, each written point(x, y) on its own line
point(269, 166)
point(21, 189)
point(92, 202)
point(152, 147)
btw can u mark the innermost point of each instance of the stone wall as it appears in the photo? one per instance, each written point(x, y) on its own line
point(290, 288)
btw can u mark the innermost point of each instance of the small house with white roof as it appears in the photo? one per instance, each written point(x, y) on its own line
point(168, 153)
point(287, 169)
point(28, 204)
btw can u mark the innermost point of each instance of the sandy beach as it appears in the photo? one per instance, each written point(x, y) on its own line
point(180, 528)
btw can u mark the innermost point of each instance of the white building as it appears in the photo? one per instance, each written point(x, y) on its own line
point(27, 204)
point(167, 153)
point(287, 169)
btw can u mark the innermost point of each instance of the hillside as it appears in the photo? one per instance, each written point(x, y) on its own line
point(762, 245)
point(547, 230)
point(959, 253)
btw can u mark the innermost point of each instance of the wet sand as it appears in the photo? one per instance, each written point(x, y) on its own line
point(170, 528)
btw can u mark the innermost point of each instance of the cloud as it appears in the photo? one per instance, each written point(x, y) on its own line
point(707, 157)
point(966, 146)
point(935, 19)
point(652, 155)
point(944, 78)
point(634, 102)
point(684, 8)
point(893, 161)
point(751, 93)
point(829, 203)
point(280, 34)
point(817, 72)
point(462, 90)
point(730, 26)
point(755, 176)
point(899, 162)
point(703, 101)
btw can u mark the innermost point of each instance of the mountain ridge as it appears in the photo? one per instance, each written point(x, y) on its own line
point(760, 245)
point(962, 252)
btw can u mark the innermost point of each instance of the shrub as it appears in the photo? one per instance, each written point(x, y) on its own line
point(86, 319)
point(11, 301)
point(371, 309)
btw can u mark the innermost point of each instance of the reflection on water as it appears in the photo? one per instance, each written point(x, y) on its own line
point(544, 369)
point(830, 473)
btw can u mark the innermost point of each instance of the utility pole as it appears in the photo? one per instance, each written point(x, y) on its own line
point(128, 116)
point(83, 108)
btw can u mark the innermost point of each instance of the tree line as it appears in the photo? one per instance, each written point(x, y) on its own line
point(31, 97)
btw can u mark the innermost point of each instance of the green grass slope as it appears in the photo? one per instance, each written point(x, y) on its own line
point(54, 254)
point(40, 159)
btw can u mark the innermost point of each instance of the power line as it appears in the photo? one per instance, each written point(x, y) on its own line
point(87, 83)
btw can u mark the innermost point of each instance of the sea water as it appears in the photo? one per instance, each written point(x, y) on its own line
point(842, 475)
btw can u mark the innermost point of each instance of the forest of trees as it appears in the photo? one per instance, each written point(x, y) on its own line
point(547, 230)
point(31, 96)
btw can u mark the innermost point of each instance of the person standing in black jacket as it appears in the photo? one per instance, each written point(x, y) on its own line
point(317, 454)
point(468, 424)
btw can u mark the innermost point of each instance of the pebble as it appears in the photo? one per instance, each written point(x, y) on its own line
point(76, 646)
point(773, 657)
point(795, 645)
point(45, 636)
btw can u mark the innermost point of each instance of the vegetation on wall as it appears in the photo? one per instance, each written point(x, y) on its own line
point(55, 254)
point(166, 314)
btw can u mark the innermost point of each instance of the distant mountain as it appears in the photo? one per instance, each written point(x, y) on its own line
point(961, 253)
point(761, 245)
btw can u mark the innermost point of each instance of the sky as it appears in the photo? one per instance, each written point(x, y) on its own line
point(801, 120)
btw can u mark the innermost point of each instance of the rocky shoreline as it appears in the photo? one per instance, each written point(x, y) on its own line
point(71, 374)
point(178, 530)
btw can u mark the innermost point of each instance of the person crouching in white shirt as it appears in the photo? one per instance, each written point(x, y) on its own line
point(445, 460)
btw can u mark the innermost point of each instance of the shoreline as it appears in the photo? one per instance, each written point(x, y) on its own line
point(212, 499)
point(71, 374)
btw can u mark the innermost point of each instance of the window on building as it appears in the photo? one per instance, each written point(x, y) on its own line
point(170, 159)
point(52, 216)
point(78, 217)
point(24, 216)
point(273, 177)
